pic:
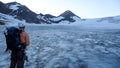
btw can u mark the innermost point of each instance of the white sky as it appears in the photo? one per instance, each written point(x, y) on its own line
point(82, 8)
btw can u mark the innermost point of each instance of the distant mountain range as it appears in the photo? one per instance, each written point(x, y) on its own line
point(21, 12)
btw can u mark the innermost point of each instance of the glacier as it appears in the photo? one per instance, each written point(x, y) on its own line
point(67, 46)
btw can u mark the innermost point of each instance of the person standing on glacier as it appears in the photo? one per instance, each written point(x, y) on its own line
point(18, 57)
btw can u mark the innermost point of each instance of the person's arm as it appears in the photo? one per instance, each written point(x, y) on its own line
point(27, 40)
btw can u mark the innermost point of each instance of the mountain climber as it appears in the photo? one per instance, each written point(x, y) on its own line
point(18, 57)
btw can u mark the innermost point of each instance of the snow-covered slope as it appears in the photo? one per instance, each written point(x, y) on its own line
point(20, 12)
point(101, 23)
point(9, 20)
point(65, 18)
point(14, 7)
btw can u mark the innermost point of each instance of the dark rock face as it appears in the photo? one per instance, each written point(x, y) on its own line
point(24, 13)
point(3, 8)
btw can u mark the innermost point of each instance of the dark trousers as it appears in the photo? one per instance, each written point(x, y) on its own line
point(17, 59)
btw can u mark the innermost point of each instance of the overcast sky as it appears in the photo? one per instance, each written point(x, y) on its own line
point(82, 8)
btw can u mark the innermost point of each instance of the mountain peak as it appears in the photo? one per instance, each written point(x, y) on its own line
point(13, 3)
point(1, 2)
point(67, 13)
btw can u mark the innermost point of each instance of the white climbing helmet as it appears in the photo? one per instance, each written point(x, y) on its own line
point(21, 24)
